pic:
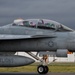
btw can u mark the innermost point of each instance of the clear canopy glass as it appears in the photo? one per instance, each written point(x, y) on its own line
point(42, 24)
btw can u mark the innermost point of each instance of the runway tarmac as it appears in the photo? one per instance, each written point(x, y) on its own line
point(24, 73)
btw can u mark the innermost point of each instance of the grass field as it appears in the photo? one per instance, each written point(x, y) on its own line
point(53, 67)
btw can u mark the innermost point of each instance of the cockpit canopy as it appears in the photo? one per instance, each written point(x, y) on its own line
point(42, 24)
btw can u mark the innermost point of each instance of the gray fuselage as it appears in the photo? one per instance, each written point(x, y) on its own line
point(62, 40)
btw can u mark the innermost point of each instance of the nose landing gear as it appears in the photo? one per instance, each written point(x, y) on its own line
point(42, 69)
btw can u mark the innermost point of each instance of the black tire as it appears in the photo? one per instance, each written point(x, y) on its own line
point(41, 69)
point(46, 69)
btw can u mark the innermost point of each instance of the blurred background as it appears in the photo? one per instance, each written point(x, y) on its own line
point(62, 11)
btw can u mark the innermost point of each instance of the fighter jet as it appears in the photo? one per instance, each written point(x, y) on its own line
point(36, 35)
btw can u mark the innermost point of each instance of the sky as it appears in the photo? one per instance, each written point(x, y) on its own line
point(62, 11)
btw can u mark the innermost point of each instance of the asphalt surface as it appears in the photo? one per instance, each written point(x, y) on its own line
point(23, 73)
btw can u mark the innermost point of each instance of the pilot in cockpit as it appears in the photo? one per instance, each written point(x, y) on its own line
point(59, 27)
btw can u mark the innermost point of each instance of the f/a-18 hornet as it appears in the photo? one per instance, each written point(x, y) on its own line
point(34, 35)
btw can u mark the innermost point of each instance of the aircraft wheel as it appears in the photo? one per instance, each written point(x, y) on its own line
point(46, 69)
point(42, 69)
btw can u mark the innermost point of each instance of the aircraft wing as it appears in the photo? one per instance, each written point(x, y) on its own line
point(15, 37)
